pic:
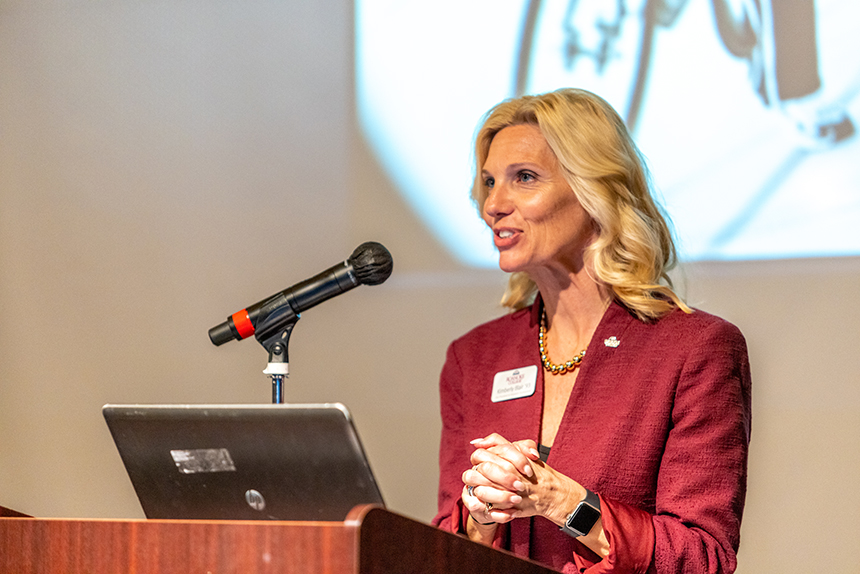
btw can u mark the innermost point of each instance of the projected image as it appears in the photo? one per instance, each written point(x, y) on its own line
point(745, 109)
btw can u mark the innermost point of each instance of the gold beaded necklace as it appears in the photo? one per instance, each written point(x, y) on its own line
point(549, 365)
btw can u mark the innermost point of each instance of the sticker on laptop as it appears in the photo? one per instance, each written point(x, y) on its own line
point(203, 460)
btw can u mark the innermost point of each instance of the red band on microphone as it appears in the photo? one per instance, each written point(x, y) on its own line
point(243, 323)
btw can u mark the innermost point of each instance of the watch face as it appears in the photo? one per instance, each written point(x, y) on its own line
point(583, 518)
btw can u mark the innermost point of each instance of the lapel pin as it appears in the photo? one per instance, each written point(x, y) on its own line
point(612, 342)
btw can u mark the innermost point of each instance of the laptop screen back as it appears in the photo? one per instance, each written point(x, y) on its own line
point(243, 462)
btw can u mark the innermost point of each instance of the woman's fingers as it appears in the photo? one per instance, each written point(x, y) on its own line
point(529, 448)
point(503, 475)
point(475, 480)
point(494, 439)
point(474, 477)
point(497, 497)
point(507, 456)
point(508, 480)
point(495, 470)
point(513, 455)
point(479, 501)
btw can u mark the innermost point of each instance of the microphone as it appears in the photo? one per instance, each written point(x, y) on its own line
point(369, 264)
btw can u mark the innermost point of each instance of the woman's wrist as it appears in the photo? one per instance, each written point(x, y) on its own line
point(479, 523)
point(482, 524)
point(478, 532)
point(565, 497)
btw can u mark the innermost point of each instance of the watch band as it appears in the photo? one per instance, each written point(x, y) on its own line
point(584, 516)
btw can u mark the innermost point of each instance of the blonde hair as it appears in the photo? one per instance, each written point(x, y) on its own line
point(633, 251)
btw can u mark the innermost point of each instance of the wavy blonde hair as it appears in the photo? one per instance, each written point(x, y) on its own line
point(633, 251)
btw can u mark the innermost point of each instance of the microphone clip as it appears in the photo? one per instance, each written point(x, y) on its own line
point(274, 327)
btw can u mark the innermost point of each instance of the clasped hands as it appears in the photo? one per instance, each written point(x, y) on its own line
point(508, 480)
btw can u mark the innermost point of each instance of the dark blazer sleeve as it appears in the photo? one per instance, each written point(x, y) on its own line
point(455, 450)
point(465, 389)
point(453, 456)
point(701, 482)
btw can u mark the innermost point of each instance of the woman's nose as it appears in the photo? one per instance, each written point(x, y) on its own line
point(497, 203)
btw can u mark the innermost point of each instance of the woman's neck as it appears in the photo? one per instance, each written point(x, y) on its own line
point(573, 309)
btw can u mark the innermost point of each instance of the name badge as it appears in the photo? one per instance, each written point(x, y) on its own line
point(514, 384)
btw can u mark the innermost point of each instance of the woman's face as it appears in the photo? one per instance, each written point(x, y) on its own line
point(538, 224)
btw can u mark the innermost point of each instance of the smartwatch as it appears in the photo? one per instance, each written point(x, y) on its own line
point(581, 520)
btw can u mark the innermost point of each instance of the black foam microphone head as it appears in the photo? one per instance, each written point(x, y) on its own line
point(371, 262)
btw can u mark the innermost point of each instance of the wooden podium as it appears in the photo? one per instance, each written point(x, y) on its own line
point(371, 541)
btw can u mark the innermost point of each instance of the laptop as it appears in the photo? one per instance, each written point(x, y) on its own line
point(243, 462)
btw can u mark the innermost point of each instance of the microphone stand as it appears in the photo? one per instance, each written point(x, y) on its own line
point(274, 327)
point(272, 320)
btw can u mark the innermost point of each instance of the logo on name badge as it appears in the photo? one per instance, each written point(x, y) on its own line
point(514, 384)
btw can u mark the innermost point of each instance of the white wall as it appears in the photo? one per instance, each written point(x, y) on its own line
point(163, 164)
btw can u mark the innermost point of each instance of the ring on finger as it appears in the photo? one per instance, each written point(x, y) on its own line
point(489, 507)
point(471, 490)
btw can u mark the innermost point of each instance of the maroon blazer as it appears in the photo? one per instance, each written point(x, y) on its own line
point(658, 425)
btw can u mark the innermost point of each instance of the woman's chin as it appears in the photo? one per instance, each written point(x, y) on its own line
point(509, 264)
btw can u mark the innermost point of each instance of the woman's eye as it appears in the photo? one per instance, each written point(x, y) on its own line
point(526, 177)
point(489, 182)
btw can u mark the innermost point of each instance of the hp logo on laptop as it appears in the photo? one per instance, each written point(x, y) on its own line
point(255, 500)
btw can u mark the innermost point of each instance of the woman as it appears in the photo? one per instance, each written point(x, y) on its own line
point(603, 426)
